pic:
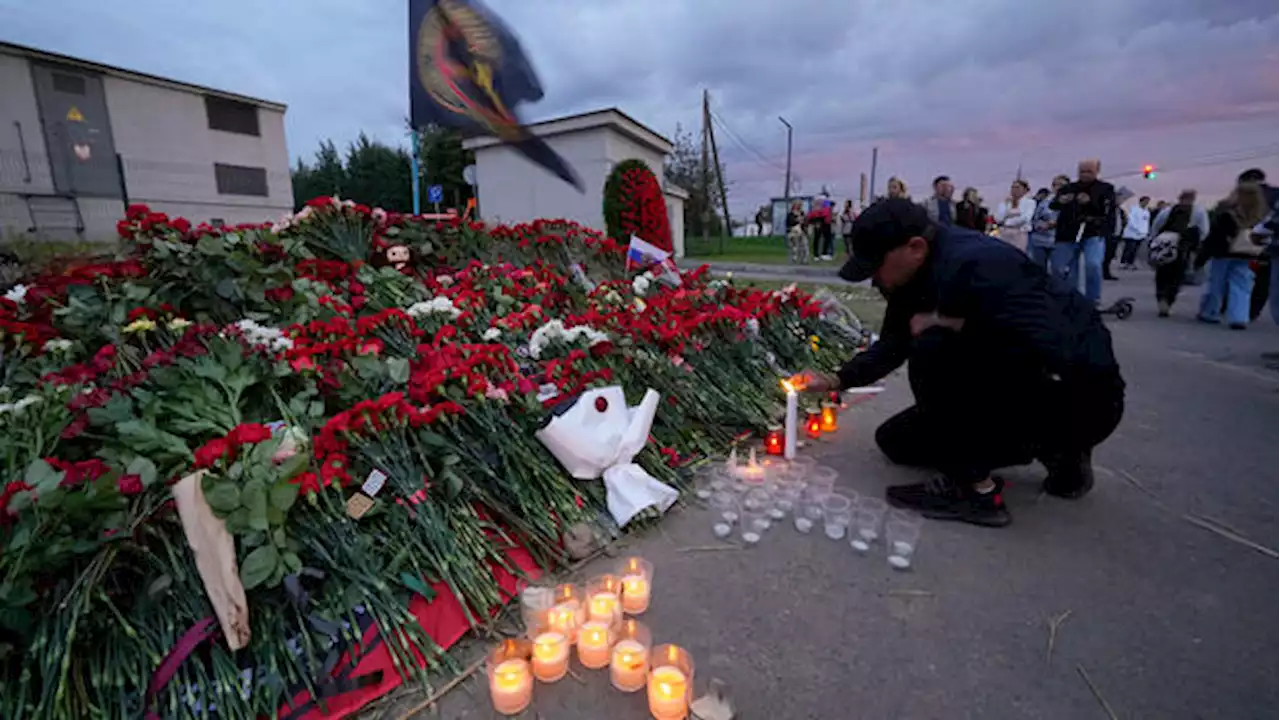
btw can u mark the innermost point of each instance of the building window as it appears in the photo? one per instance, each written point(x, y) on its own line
point(231, 115)
point(70, 84)
point(238, 180)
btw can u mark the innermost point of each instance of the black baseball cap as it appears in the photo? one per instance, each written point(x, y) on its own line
point(886, 225)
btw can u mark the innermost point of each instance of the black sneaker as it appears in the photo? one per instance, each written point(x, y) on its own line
point(1070, 474)
point(940, 499)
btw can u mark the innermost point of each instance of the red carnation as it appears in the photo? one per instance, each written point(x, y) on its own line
point(129, 484)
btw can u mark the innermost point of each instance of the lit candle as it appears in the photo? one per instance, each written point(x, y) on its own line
point(629, 665)
point(774, 441)
point(830, 419)
point(668, 693)
point(789, 443)
point(813, 425)
point(604, 606)
point(550, 656)
point(511, 686)
point(593, 644)
point(637, 577)
point(564, 618)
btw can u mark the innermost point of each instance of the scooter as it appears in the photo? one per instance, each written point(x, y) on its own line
point(1121, 308)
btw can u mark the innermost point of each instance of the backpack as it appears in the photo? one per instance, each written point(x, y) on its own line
point(1163, 249)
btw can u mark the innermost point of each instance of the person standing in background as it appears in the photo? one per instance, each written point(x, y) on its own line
point(1041, 240)
point(970, 213)
point(1014, 215)
point(1191, 224)
point(1136, 229)
point(797, 243)
point(1234, 241)
point(847, 216)
point(941, 208)
point(1086, 218)
point(820, 222)
point(897, 189)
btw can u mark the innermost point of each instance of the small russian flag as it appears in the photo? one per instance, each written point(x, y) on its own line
point(645, 255)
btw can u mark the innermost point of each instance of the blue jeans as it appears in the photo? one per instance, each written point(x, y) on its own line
point(1065, 263)
point(1275, 280)
point(1232, 279)
point(1040, 254)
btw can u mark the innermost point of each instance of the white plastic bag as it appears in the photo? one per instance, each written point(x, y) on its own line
point(598, 436)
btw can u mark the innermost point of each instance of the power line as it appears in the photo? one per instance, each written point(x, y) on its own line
point(759, 157)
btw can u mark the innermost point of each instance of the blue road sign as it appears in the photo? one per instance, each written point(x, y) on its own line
point(435, 193)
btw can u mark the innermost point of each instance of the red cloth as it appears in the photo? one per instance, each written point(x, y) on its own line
point(442, 618)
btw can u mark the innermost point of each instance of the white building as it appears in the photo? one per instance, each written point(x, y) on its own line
point(510, 188)
point(80, 140)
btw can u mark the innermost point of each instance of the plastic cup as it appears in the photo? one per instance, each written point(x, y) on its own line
point(808, 512)
point(867, 516)
point(835, 515)
point(822, 481)
point(725, 512)
point(902, 537)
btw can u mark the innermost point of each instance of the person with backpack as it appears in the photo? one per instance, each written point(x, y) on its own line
point(1175, 236)
point(1234, 241)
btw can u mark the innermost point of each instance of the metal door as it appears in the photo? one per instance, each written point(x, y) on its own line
point(77, 131)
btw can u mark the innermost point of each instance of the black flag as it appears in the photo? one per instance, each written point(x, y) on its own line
point(466, 70)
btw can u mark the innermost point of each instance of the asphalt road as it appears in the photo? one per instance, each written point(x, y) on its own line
point(1167, 619)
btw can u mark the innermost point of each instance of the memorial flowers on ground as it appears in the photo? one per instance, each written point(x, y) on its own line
point(292, 370)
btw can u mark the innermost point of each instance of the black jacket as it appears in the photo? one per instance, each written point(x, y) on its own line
point(1022, 318)
point(971, 215)
point(1098, 215)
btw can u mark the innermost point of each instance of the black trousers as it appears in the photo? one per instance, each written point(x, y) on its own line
point(1112, 244)
point(1169, 278)
point(972, 417)
point(1130, 253)
point(823, 241)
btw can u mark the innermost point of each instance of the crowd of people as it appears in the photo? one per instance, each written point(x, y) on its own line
point(1075, 229)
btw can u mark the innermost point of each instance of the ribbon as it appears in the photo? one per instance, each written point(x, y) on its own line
point(186, 644)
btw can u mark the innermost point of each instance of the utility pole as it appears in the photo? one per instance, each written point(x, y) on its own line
point(875, 155)
point(786, 190)
point(705, 213)
point(715, 158)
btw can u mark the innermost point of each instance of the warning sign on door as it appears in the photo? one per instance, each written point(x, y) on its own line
point(74, 114)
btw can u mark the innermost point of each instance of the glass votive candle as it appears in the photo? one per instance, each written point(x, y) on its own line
point(830, 418)
point(724, 513)
point(822, 481)
point(629, 659)
point(835, 515)
point(535, 601)
point(637, 584)
point(568, 611)
point(866, 522)
point(510, 679)
point(670, 682)
point(808, 511)
point(595, 638)
point(550, 655)
point(800, 467)
point(901, 537)
point(604, 599)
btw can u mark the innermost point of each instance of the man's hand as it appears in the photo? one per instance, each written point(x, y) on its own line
point(810, 381)
point(1083, 198)
point(923, 321)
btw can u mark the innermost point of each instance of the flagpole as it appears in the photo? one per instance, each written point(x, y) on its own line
point(413, 170)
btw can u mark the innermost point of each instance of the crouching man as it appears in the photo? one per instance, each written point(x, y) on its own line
point(1007, 364)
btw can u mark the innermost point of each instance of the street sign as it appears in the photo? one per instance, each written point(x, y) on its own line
point(435, 193)
point(469, 175)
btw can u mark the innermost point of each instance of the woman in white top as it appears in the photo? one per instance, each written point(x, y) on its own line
point(1013, 217)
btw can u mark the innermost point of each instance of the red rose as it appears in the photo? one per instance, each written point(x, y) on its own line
point(129, 484)
point(182, 225)
point(246, 433)
point(211, 452)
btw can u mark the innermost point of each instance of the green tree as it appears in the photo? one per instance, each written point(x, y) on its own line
point(443, 158)
point(378, 176)
point(683, 167)
point(326, 177)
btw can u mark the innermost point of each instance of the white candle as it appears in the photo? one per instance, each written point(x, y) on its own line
point(550, 656)
point(629, 664)
point(635, 594)
point(511, 688)
point(789, 444)
point(603, 607)
point(593, 644)
point(668, 693)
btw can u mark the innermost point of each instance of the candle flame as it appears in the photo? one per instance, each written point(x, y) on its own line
point(788, 386)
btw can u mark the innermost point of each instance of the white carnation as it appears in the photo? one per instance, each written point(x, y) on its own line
point(17, 293)
point(57, 345)
point(640, 285)
point(555, 330)
point(434, 306)
point(491, 334)
point(257, 335)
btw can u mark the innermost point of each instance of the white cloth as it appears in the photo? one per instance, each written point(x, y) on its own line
point(599, 436)
point(1139, 223)
point(1199, 219)
point(1017, 216)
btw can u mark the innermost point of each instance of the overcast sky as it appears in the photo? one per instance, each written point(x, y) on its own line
point(971, 89)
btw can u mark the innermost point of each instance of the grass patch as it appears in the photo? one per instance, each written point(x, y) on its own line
point(865, 302)
point(765, 250)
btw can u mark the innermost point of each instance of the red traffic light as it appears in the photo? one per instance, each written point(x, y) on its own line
point(1148, 171)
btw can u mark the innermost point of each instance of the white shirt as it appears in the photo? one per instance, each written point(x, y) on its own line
point(1016, 217)
point(1199, 219)
point(1139, 225)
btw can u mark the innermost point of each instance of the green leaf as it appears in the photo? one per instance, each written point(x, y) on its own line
point(238, 522)
point(316, 409)
point(224, 497)
point(160, 585)
point(258, 566)
point(415, 583)
point(41, 476)
point(143, 468)
point(254, 497)
point(451, 460)
point(283, 495)
point(292, 562)
point(227, 289)
point(452, 484)
point(398, 370)
point(368, 368)
point(279, 538)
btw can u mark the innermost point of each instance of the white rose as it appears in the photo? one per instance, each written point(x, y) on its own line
point(492, 334)
point(17, 293)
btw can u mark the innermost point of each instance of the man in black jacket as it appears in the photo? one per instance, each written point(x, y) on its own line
point(1007, 364)
point(1086, 219)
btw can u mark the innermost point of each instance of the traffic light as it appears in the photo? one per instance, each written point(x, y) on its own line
point(1149, 172)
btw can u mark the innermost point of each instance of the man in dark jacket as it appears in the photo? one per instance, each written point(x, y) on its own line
point(1086, 219)
point(1007, 364)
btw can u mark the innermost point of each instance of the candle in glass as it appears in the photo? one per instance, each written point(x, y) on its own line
point(670, 683)
point(550, 656)
point(629, 661)
point(604, 601)
point(789, 440)
point(510, 682)
point(830, 419)
point(774, 442)
point(637, 581)
point(567, 612)
point(594, 640)
point(813, 424)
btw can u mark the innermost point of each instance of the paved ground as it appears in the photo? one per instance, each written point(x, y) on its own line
point(1168, 620)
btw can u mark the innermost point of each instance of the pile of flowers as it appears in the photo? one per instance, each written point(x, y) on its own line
point(288, 364)
point(634, 205)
